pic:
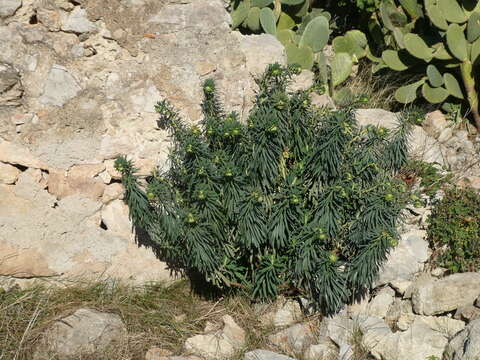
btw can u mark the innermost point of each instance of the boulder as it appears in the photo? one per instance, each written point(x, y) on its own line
point(324, 350)
point(467, 313)
point(294, 339)
point(338, 328)
point(436, 296)
point(218, 344)
point(381, 303)
point(435, 123)
point(466, 344)
point(284, 313)
point(422, 339)
point(81, 334)
point(265, 355)
point(406, 259)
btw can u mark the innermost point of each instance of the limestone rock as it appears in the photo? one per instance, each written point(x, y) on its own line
point(302, 81)
point(406, 259)
point(259, 50)
point(322, 100)
point(338, 328)
point(380, 304)
point(377, 117)
point(115, 218)
point(265, 355)
point(77, 22)
point(293, 339)
point(83, 333)
point(400, 314)
point(11, 88)
point(417, 343)
point(435, 123)
point(437, 296)
point(325, 350)
point(466, 344)
point(62, 184)
point(60, 87)
point(112, 192)
point(8, 7)
point(284, 313)
point(15, 154)
point(8, 174)
point(467, 313)
point(220, 344)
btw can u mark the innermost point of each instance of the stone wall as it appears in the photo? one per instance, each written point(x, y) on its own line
point(78, 84)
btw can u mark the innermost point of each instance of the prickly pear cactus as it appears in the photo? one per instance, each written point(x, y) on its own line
point(304, 31)
point(439, 38)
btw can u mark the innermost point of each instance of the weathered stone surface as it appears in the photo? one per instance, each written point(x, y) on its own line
point(295, 338)
point(8, 173)
point(441, 295)
point(265, 355)
point(83, 333)
point(60, 87)
point(406, 259)
point(420, 341)
point(325, 350)
point(76, 21)
point(377, 117)
point(435, 123)
point(338, 328)
point(302, 81)
point(283, 313)
point(322, 100)
point(380, 304)
point(466, 344)
point(259, 50)
point(88, 75)
point(11, 88)
point(467, 313)
point(8, 7)
point(219, 344)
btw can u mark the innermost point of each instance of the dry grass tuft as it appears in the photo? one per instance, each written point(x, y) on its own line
point(155, 315)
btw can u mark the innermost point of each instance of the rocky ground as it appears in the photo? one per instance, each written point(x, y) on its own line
point(78, 85)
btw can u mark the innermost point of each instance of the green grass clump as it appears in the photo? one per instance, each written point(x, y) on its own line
point(454, 231)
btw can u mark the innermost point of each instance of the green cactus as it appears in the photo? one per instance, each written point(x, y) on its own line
point(304, 32)
point(440, 38)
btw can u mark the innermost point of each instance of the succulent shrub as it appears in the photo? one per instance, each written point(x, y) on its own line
point(454, 230)
point(296, 198)
point(440, 41)
point(304, 31)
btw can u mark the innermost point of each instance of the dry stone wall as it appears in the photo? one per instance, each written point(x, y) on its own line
point(78, 85)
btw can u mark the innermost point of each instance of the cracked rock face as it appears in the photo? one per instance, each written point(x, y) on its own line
point(78, 83)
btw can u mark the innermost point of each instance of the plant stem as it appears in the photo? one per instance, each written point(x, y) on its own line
point(469, 81)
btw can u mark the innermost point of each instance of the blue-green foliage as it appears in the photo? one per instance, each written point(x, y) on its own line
point(296, 198)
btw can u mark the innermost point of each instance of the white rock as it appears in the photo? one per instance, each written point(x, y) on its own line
point(259, 51)
point(81, 334)
point(294, 338)
point(338, 328)
point(302, 81)
point(435, 123)
point(220, 344)
point(265, 355)
point(19, 155)
point(112, 192)
point(284, 313)
point(60, 87)
point(115, 217)
point(466, 344)
point(378, 117)
point(380, 304)
point(8, 7)
point(76, 21)
point(8, 173)
point(436, 296)
point(322, 100)
point(324, 350)
point(420, 341)
point(406, 259)
point(400, 285)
